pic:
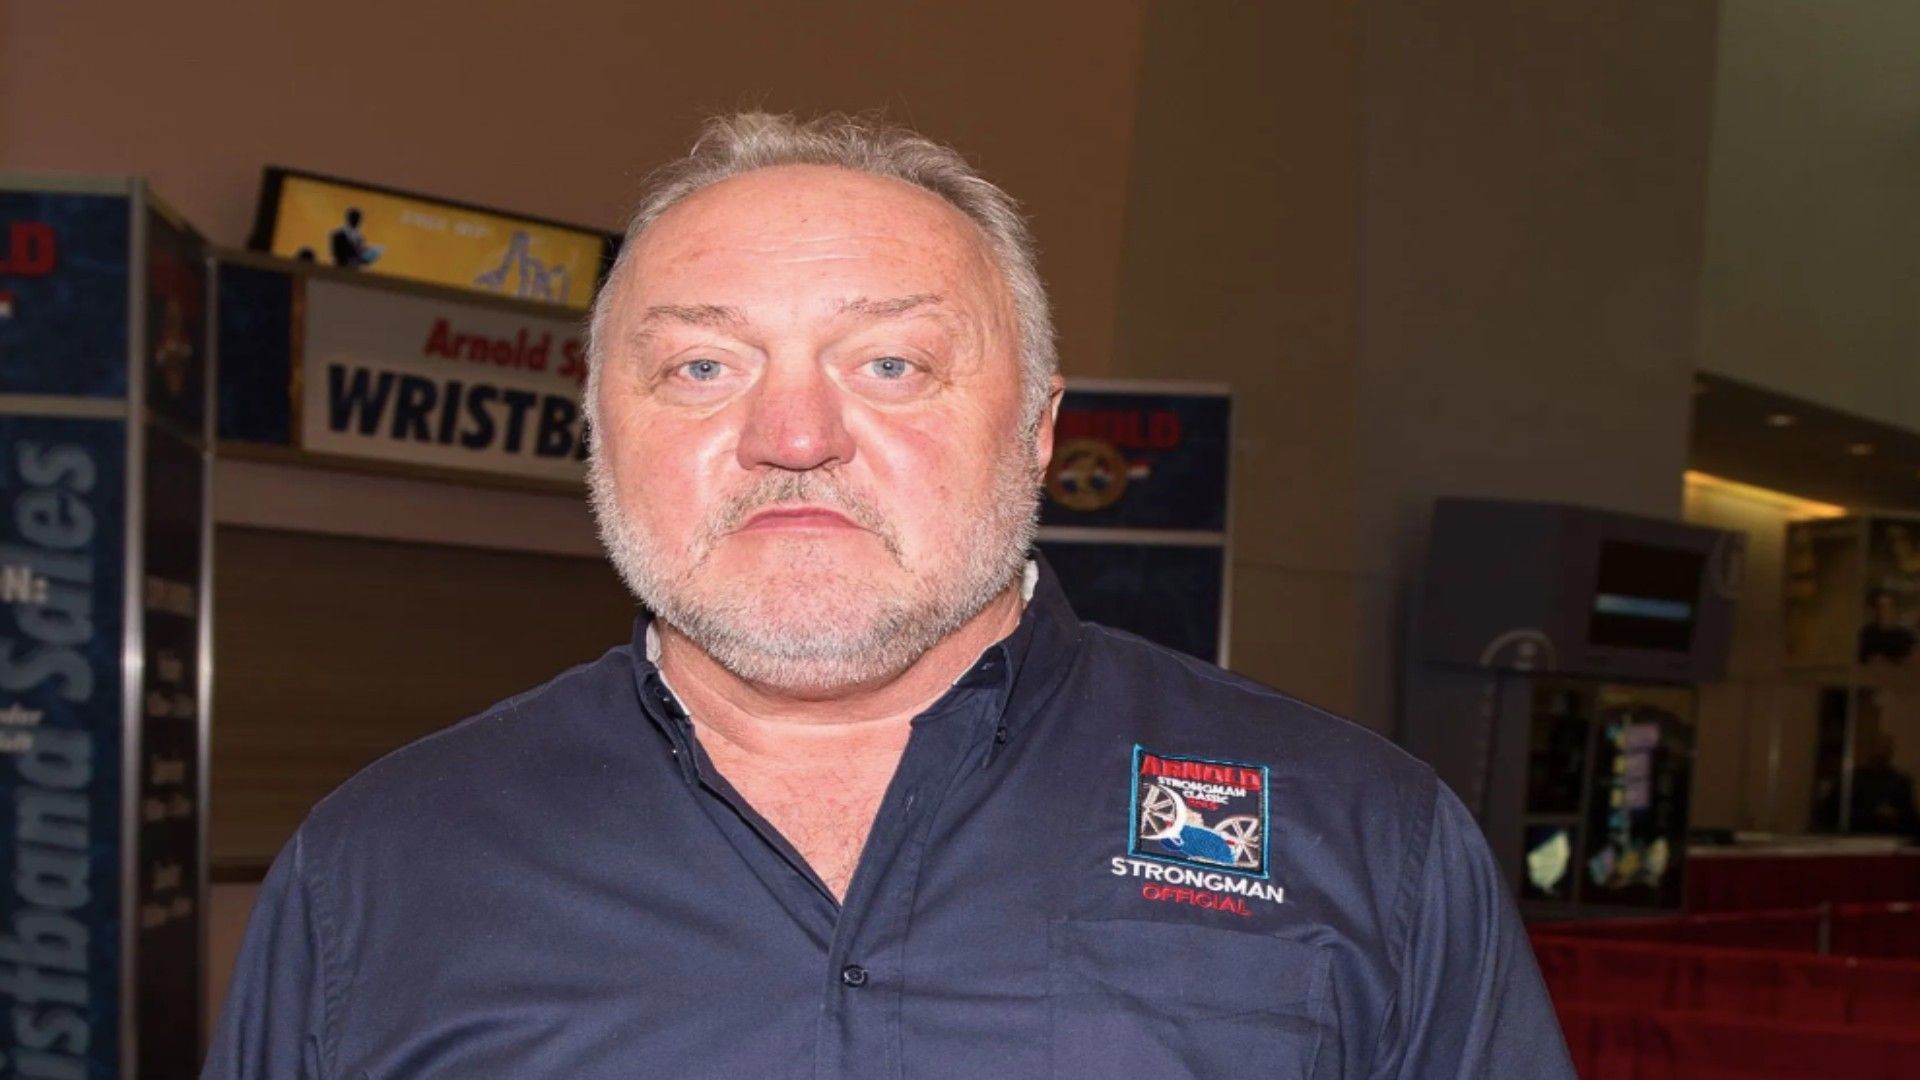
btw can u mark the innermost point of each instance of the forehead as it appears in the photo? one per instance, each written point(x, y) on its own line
point(818, 227)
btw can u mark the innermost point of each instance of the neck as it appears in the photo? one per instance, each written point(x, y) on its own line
point(757, 718)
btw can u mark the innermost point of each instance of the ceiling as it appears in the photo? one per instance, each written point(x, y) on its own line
point(1772, 440)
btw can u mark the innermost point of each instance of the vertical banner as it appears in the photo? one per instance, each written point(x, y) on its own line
point(104, 385)
point(62, 574)
point(169, 870)
point(1134, 520)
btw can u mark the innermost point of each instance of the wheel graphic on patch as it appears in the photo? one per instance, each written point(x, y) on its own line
point(1199, 812)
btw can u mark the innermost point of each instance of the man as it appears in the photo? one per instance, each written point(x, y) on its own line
point(1882, 792)
point(866, 800)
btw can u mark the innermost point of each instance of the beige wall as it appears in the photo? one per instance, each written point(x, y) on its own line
point(1812, 283)
point(1238, 266)
point(1531, 198)
point(1437, 250)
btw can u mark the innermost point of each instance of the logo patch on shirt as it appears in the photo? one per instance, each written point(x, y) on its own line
point(1199, 812)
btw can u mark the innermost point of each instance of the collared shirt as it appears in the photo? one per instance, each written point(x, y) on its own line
point(1097, 858)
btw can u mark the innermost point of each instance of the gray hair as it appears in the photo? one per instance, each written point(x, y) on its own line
point(729, 146)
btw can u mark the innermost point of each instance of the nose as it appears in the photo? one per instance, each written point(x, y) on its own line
point(794, 421)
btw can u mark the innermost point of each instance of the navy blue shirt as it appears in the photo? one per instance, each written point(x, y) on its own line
point(1098, 858)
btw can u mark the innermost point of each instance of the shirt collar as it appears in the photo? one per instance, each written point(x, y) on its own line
point(1025, 667)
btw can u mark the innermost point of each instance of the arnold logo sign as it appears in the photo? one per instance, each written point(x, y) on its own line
point(1199, 812)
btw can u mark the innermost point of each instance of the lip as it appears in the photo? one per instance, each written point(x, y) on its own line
point(798, 517)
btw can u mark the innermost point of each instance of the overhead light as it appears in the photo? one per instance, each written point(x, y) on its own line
point(1781, 419)
point(1860, 449)
point(1792, 505)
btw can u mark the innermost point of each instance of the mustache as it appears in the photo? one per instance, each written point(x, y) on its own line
point(817, 488)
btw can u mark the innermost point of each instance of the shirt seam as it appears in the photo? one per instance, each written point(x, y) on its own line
point(1025, 697)
point(1406, 904)
point(332, 986)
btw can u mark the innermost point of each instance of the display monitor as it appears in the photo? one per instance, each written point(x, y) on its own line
point(1646, 597)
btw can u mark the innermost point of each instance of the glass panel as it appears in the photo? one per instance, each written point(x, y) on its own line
point(1637, 815)
point(1557, 753)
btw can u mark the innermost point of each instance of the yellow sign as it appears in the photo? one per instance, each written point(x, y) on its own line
point(359, 228)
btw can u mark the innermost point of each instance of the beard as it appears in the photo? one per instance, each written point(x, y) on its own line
point(816, 625)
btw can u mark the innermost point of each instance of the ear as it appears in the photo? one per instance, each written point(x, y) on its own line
point(1043, 438)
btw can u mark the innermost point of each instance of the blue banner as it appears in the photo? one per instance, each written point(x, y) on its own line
point(1139, 460)
point(62, 589)
point(63, 294)
point(1170, 594)
point(255, 331)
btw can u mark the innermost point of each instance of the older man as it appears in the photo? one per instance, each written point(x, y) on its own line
point(865, 799)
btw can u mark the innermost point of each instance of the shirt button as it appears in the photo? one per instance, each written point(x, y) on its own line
point(854, 976)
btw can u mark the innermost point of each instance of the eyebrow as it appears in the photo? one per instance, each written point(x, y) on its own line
point(889, 308)
point(693, 315)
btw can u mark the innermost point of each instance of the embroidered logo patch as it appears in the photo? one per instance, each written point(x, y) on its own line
point(1199, 812)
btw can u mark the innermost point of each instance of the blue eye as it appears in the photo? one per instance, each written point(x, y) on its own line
point(890, 367)
point(702, 370)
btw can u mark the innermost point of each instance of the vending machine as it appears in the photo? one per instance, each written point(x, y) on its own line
point(1551, 683)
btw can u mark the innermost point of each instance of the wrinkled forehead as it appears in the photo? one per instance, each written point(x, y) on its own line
point(812, 229)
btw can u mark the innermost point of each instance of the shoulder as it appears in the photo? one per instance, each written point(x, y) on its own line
point(1183, 697)
point(529, 741)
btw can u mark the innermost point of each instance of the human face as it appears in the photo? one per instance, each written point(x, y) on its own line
point(812, 456)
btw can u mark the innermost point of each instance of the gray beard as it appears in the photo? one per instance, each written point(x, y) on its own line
point(842, 632)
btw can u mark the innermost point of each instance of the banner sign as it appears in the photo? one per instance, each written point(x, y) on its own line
point(1172, 594)
point(378, 230)
point(167, 782)
point(103, 636)
point(1139, 460)
point(62, 577)
point(63, 293)
point(407, 378)
point(1134, 521)
point(176, 272)
point(255, 322)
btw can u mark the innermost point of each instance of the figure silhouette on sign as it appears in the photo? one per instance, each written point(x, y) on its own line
point(350, 249)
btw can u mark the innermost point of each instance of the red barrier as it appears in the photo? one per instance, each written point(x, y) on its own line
point(1883, 931)
point(1744, 982)
point(1748, 994)
point(1625, 1043)
point(1758, 882)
